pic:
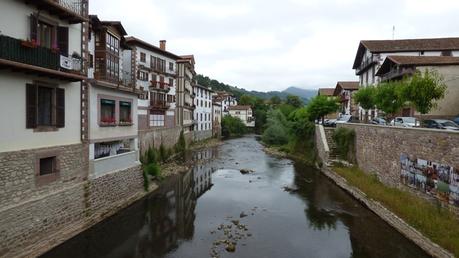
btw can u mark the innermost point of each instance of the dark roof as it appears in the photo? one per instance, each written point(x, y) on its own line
point(416, 61)
point(186, 59)
point(138, 42)
point(326, 91)
point(94, 19)
point(405, 45)
point(345, 85)
point(239, 107)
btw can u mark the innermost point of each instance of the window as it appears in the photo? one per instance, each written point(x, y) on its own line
point(143, 76)
point(112, 43)
point(45, 33)
point(171, 66)
point(447, 53)
point(45, 106)
point(143, 57)
point(47, 166)
point(91, 61)
point(171, 82)
point(157, 119)
point(107, 112)
point(238, 112)
point(125, 112)
point(201, 116)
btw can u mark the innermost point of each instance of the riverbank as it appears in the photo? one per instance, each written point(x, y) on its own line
point(384, 209)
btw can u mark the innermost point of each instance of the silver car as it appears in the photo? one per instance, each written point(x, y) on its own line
point(405, 121)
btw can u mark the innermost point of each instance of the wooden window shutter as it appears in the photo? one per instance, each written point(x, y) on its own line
point(33, 27)
point(60, 107)
point(31, 105)
point(63, 40)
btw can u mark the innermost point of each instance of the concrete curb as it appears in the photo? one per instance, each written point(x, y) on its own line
point(393, 220)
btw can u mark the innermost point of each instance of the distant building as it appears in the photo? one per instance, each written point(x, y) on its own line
point(345, 90)
point(217, 114)
point(203, 112)
point(328, 92)
point(244, 113)
point(398, 67)
point(227, 100)
point(185, 94)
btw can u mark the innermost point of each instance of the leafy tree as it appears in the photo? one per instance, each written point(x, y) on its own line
point(294, 101)
point(275, 100)
point(277, 131)
point(423, 90)
point(247, 100)
point(365, 98)
point(232, 126)
point(321, 106)
point(388, 97)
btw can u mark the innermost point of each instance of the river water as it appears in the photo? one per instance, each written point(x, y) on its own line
point(282, 209)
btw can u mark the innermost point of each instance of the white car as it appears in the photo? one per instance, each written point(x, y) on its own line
point(343, 119)
point(405, 121)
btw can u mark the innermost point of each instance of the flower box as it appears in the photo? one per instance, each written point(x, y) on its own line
point(29, 43)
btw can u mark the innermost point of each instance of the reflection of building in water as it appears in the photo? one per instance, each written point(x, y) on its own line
point(202, 179)
point(206, 154)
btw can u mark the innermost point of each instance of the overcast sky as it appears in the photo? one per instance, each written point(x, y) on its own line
point(271, 45)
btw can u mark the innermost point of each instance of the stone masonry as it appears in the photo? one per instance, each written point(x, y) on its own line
point(154, 137)
point(379, 148)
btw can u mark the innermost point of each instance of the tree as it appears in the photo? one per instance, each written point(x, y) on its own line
point(365, 98)
point(294, 101)
point(423, 90)
point(388, 97)
point(321, 106)
point(277, 131)
point(275, 100)
point(247, 100)
point(232, 126)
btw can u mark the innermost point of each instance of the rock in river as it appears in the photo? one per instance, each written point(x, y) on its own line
point(246, 171)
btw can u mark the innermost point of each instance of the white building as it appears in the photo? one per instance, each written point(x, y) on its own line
point(227, 100)
point(217, 113)
point(244, 113)
point(155, 71)
point(113, 140)
point(371, 54)
point(203, 112)
point(345, 90)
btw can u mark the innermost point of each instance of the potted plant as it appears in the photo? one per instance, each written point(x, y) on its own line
point(107, 121)
point(29, 43)
point(127, 121)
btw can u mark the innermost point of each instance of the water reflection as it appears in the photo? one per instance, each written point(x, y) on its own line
point(316, 220)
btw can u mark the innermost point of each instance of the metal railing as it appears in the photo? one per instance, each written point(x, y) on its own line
point(71, 5)
point(368, 61)
point(159, 104)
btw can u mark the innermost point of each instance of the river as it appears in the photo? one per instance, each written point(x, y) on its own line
point(282, 209)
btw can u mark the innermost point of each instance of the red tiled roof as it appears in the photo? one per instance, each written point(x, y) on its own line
point(345, 85)
point(416, 61)
point(326, 91)
point(239, 107)
point(405, 45)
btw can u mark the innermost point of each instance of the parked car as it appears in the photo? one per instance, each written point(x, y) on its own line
point(341, 120)
point(405, 121)
point(378, 121)
point(456, 120)
point(440, 124)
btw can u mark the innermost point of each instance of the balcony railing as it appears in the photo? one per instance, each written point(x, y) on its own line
point(72, 10)
point(158, 85)
point(367, 62)
point(159, 104)
point(397, 73)
point(29, 53)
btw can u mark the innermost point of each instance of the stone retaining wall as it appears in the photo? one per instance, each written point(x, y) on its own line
point(154, 137)
point(33, 227)
point(379, 148)
point(321, 144)
point(202, 135)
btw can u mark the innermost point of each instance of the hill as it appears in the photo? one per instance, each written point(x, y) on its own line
point(215, 85)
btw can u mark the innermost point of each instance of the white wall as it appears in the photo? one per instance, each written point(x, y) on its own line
point(13, 133)
point(14, 22)
point(95, 131)
point(206, 110)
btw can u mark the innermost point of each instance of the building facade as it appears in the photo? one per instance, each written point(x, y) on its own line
point(329, 93)
point(203, 112)
point(345, 90)
point(113, 140)
point(244, 113)
point(217, 113)
point(372, 53)
point(185, 94)
point(227, 100)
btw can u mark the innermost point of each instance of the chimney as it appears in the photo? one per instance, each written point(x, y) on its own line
point(162, 44)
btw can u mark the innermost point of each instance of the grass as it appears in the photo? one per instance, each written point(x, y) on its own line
point(439, 224)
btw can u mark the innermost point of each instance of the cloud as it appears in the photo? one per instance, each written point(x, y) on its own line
point(270, 45)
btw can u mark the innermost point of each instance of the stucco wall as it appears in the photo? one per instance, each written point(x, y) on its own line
point(379, 148)
point(13, 133)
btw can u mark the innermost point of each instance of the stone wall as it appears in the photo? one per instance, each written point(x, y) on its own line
point(202, 135)
point(33, 227)
point(379, 148)
point(321, 144)
point(154, 137)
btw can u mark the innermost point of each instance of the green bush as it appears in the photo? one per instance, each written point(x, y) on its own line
point(277, 132)
point(345, 143)
point(152, 170)
point(162, 153)
point(232, 126)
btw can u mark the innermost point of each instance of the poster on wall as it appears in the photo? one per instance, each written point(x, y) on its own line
point(438, 180)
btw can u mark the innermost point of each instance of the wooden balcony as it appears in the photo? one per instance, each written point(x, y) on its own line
point(398, 73)
point(73, 11)
point(366, 63)
point(159, 105)
point(159, 86)
point(24, 56)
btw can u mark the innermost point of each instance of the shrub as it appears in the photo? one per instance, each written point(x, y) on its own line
point(232, 126)
point(162, 153)
point(345, 143)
